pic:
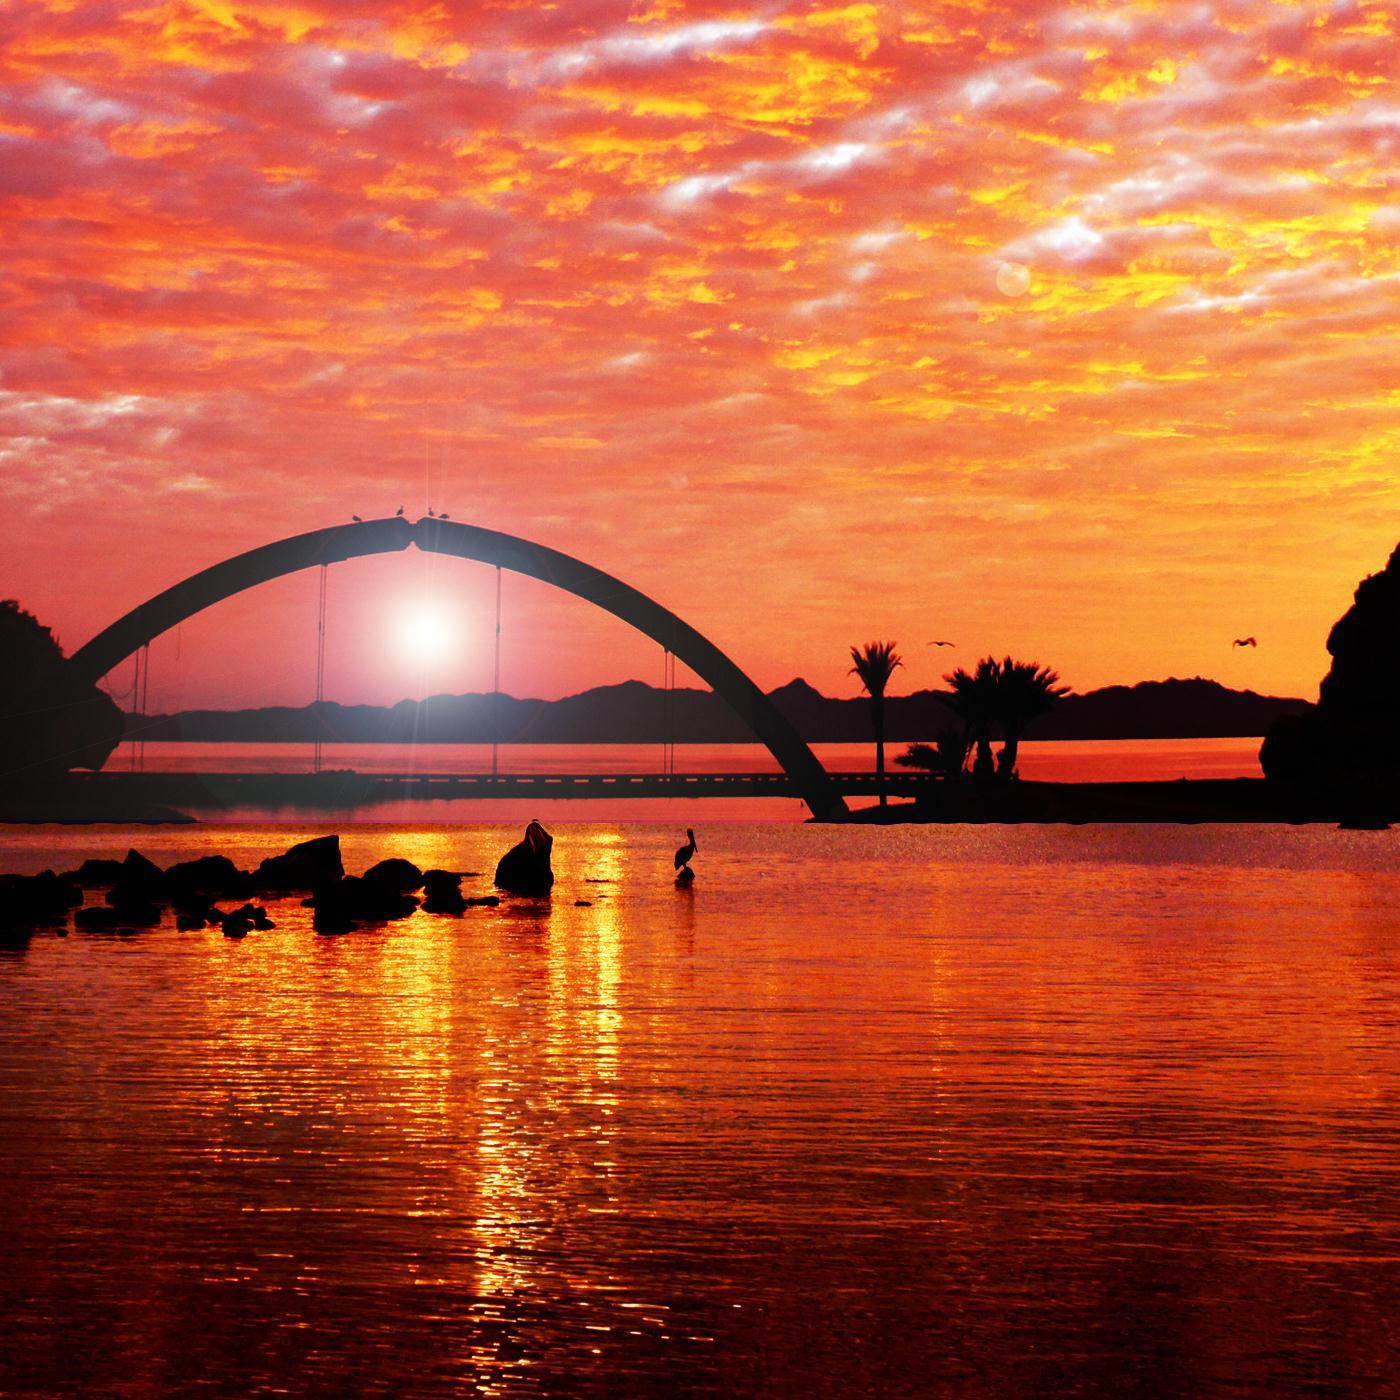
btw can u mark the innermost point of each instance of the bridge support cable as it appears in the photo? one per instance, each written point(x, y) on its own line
point(668, 750)
point(665, 675)
point(131, 704)
point(319, 719)
point(143, 690)
point(496, 686)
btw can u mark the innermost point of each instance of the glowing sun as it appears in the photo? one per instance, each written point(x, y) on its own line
point(425, 631)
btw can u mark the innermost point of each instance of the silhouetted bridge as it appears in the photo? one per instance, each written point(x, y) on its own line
point(337, 788)
point(803, 774)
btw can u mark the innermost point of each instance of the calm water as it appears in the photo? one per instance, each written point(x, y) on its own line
point(966, 1111)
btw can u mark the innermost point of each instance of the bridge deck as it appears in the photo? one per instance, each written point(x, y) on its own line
point(365, 787)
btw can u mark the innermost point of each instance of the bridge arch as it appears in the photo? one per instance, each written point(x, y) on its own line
point(339, 542)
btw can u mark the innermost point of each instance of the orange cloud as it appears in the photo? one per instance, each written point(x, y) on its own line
point(1053, 325)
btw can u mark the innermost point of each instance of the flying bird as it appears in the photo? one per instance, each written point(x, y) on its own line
point(1244, 642)
point(942, 644)
point(399, 511)
point(684, 853)
point(357, 520)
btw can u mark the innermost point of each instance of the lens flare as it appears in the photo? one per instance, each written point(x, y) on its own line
point(426, 631)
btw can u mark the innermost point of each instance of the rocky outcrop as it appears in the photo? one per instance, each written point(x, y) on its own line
point(442, 892)
point(395, 873)
point(215, 877)
point(30, 902)
point(1351, 738)
point(302, 868)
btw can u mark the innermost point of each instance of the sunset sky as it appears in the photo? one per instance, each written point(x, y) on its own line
point(1065, 330)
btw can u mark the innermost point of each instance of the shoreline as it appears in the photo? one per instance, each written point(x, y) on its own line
point(1180, 801)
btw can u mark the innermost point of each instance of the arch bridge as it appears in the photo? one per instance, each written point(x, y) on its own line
point(808, 779)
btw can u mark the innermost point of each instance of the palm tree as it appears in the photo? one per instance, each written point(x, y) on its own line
point(874, 664)
point(945, 756)
point(974, 701)
point(1024, 690)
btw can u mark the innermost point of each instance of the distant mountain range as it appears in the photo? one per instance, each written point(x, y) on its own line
point(635, 712)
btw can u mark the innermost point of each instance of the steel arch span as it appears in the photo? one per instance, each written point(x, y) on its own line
point(142, 624)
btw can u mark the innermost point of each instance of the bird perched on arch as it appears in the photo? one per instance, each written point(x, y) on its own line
point(357, 520)
point(1244, 642)
point(399, 511)
point(684, 855)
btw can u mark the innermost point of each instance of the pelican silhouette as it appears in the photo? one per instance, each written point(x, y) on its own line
point(942, 644)
point(1244, 642)
point(357, 520)
point(399, 511)
point(444, 516)
point(684, 853)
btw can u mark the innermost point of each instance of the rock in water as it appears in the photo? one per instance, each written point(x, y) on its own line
point(214, 876)
point(1350, 740)
point(396, 873)
point(28, 902)
point(305, 867)
point(340, 904)
point(95, 919)
point(525, 868)
point(442, 892)
point(98, 872)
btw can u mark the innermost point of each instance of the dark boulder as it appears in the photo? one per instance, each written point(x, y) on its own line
point(139, 870)
point(134, 909)
point(303, 868)
point(237, 922)
point(139, 887)
point(98, 872)
point(96, 919)
point(525, 868)
point(216, 877)
point(395, 873)
point(340, 904)
point(29, 902)
point(442, 893)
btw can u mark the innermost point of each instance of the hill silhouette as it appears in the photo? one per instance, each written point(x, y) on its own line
point(634, 712)
point(1350, 738)
point(50, 719)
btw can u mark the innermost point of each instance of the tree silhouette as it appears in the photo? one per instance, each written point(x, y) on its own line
point(874, 663)
point(49, 721)
point(1024, 691)
point(946, 755)
point(974, 701)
